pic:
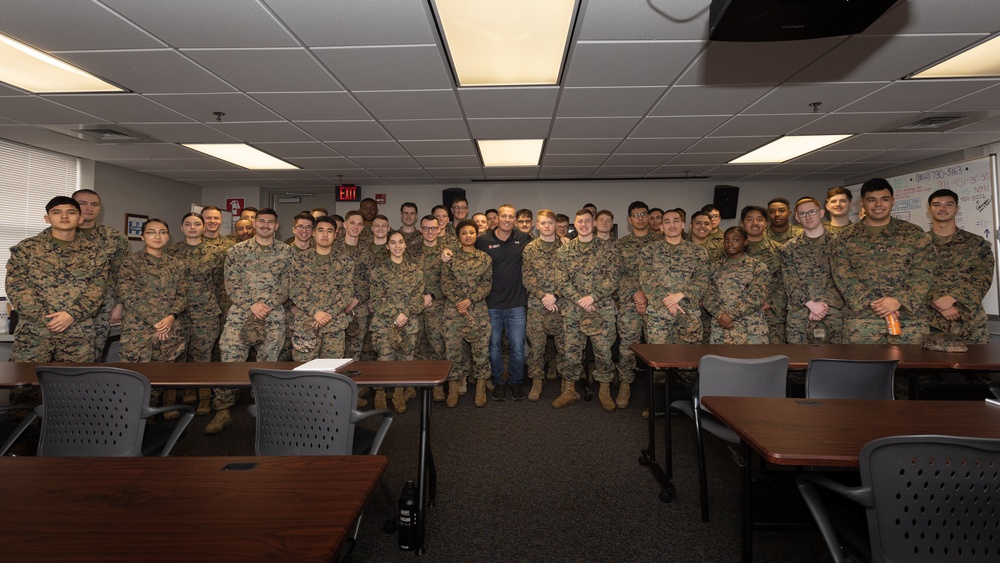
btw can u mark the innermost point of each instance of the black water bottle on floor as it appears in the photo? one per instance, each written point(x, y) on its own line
point(408, 517)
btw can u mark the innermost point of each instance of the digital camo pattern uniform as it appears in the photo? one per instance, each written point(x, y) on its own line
point(767, 251)
point(363, 259)
point(222, 246)
point(396, 288)
point(540, 277)
point(738, 287)
point(793, 232)
point(200, 321)
point(870, 264)
point(589, 269)
point(835, 229)
point(113, 243)
point(412, 238)
point(630, 322)
point(291, 313)
point(806, 270)
point(713, 247)
point(152, 288)
point(45, 276)
point(369, 351)
point(468, 275)
point(666, 268)
point(963, 267)
point(253, 274)
point(320, 283)
point(430, 339)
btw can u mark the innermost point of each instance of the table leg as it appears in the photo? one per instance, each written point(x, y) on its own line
point(746, 516)
point(422, 469)
point(648, 455)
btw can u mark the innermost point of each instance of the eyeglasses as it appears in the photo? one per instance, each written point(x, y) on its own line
point(804, 214)
point(430, 229)
point(714, 215)
point(639, 215)
point(303, 227)
point(460, 207)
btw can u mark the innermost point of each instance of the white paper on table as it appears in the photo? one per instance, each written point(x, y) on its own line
point(324, 364)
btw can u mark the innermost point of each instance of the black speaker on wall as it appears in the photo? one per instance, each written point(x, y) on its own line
point(451, 194)
point(787, 20)
point(726, 200)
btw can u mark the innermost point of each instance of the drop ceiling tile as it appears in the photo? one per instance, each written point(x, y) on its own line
point(916, 95)
point(937, 17)
point(183, 132)
point(581, 146)
point(219, 23)
point(132, 70)
point(881, 141)
point(427, 129)
point(680, 126)
point(795, 98)
point(655, 146)
point(35, 136)
point(370, 162)
point(608, 102)
point(318, 163)
point(637, 159)
point(509, 102)
point(274, 132)
point(410, 67)
point(309, 149)
point(59, 26)
point(849, 123)
point(982, 100)
point(458, 172)
point(772, 62)
point(354, 131)
point(748, 125)
point(567, 171)
point(32, 109)
point(267, 70)
point(511, 128)
point(399, 173)
point(440, 148)
point(313, 106)
point(206, 164)
point(650, 63)
point(372, 22)
point(119, 108)
point(623, 171)
point(156, 151)
point(729, 144)
point(593, 127)
point(94, 152)
point(835, 156)
point(980, 126)
point(708, 100)
point(955, 141)
point(429, 162)
point(616, 20)
point(201, 107)
point(686, 159)
point(368, 148)
point(419, 104)
point(574, 159)
point(681, 170)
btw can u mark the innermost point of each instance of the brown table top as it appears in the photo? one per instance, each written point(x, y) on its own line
point(182, 508)
point(662, 356)
point(417, 373)
point(831, 432)
point(978, 357)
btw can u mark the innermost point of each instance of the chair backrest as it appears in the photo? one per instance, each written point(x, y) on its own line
point(91, 411)
point(735, 377)
point(303, 412)
point(937, 498)
point(850, 379)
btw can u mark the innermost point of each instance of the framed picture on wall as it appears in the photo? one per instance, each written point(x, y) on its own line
point(133, 225)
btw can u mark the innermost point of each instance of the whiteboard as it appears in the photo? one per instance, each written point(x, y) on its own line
point(975, 182)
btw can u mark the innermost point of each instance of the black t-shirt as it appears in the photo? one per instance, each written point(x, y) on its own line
point(508, 292)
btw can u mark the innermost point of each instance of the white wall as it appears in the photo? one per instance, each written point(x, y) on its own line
point(253, 197)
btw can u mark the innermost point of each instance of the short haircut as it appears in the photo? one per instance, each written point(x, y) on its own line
point(428, 218)
point(637, 205)
point(681, 212)
point(446, 210)
point(807, 199)
point(265, 211)
point(585, 211)
point(839, 191)
point(458, 199)
point(491, 210)
point(546, 213)
point(562, 218)
point(474, 215)
point(367, 199)
point(305, 216)
point(746, 211)
point(352, 213)
point(382, 217)
point(62, 200)
point(192, 214)
point(677, 211)
point(779, 200)
point(86, 191)
point(875, 185)
point(605, 212)
point(737, 229)
point(408, 204)
point(525, 213)
point(326, 219)
point(154, 220)
point(943, 192)
point(508, 206)
point(210, 208)
point(585, 205)
point(254, 209)
point(709, 208)
point(699, 213)
point(465, 223)
point(337, 218)
point(322, 210)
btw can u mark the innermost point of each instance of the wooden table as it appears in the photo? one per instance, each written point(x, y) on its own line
point(423, 375)
point(979, 356)
point(183, 508)
point(831, 432)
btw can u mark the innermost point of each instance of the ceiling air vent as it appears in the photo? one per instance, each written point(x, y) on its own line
point(100, 133)
point(937, 122)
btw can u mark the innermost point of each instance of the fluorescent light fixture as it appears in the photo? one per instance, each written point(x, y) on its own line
point(514, 42)
point(30, 69)
point(241, 155)
point(787, 148)
point(511, 152)
point(983, 60)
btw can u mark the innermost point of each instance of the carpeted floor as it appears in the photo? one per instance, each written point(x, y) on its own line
point(520, 481)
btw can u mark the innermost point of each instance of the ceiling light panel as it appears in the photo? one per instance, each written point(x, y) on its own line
point(979, 62)
point(510, 152)
point(241, 155)
point(40, 73)
point(787, 148)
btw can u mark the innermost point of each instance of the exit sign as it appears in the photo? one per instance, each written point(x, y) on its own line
point(348, 192)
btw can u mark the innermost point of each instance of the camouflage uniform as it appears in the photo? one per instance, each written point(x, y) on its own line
point(200, 321)
point(468, 275)
point(253, 274)
point(963, 268)
point(320, 283)
point(738, 287)
point(868, 264)
point(412, 238)
point(835, 230)
point(713, 246)
point(152, 288)
point(430, 339)
point(793, 232)
point(589, 269)
point(630, 322)
point(766, 251)
point(222, 246)
point(805, 267)
point(363, 259)
point(113, 243)
point(670, 268)
point(369, 350)
point(539, 278)
point(396, 288)
point(290, 312)
point(46, 275)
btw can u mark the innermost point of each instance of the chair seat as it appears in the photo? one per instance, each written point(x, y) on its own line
point(363, 440)
point(155, 438)
point(709, 423)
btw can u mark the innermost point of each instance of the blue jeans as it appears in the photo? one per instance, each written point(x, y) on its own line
point(513, 322)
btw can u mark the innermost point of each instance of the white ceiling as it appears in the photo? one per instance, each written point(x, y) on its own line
point(363, 90)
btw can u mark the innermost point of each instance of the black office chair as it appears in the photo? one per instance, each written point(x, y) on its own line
point(101, 412)
point(926, 498)
point(11, 430)
point(731, 377)
point(850, 379)
point(995, 389)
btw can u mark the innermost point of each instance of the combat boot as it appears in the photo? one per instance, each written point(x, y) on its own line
point(169, 396)
point(463, 385)
point(452, 400)
point(604, 395)
point(624, 393)
point(536, 389)
point(480, 393)
point(362, 402)
point(568, 396)
point(222, 419)
point(380, 398)
point(204, 401)
point(438, 394)
point(399, 400)
point(190, 396)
